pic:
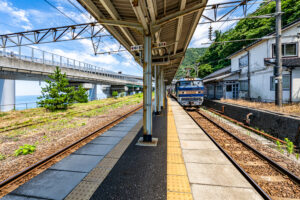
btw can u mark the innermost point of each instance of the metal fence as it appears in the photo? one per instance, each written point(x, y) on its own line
point(43, 57)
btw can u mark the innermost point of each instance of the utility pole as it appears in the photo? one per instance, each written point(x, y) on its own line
point(278, 67)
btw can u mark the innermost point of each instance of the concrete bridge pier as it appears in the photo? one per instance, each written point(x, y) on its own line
point(93, 92)
point(7, 94)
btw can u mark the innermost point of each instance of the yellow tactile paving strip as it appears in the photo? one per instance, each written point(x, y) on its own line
point(178, 186)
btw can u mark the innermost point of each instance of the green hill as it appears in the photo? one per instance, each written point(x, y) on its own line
point(216, 54)
point(191, 56)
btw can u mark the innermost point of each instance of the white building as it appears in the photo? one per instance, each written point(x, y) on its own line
point(254, 64)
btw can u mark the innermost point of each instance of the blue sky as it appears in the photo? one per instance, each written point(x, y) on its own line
point(21, 15)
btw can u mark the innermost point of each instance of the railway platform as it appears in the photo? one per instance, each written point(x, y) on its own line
point(185, 164)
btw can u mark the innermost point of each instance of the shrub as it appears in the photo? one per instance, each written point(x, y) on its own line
point(115, 94)
point(25, 149)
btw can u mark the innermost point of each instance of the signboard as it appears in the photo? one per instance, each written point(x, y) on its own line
point(136, 48)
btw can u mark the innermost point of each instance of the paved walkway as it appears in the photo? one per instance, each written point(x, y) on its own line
point(211, 175)
point(185, 164)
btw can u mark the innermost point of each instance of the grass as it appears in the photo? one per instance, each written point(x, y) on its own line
point(291, 109)
point(38, 120)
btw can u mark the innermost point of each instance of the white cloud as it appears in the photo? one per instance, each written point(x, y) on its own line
point(19, 16)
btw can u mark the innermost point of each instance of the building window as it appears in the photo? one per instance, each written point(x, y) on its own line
point(289, 49)
point(228, 88)
point(244, 85)
point(243, 61)
point(285, 82)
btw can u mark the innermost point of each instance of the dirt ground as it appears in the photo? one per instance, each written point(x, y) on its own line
point(50, 132)
point(289, 109)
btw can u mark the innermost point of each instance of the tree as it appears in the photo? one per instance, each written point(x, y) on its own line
point(80, 95)
point(204, 70)
point(57, 95)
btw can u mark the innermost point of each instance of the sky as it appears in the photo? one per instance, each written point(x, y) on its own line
point(22, 15)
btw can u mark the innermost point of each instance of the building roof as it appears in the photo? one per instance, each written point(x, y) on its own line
point(170, 21)
point(286, 62)
point(265, 37)
point(219, 72)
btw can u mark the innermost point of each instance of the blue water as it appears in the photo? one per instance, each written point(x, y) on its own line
point(28, 101)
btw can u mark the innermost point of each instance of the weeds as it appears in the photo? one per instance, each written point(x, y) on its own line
point(289, 146)
point(2, 157)
point(297, 156)
point(279, 147)
point(25, 149)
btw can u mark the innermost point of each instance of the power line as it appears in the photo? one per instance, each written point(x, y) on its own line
point(61, 12)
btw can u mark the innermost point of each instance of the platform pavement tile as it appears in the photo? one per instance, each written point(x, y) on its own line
point(190, 131)
point(189, 144)
point(115, 133)
point(208, 192)
point(120, 128)
point(79, 163)
point(51, 184)
point(187, 126)
point(205, 156)
point(211, 174)
point(106, 140)
point(194, 137)
point(15, 197)
point(95, 149)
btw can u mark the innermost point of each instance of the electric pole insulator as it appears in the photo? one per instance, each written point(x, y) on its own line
point(210, 33)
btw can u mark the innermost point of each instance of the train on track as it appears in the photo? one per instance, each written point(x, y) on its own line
point(189, 92)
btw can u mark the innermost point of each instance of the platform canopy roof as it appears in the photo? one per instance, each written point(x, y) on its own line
point(170, 21)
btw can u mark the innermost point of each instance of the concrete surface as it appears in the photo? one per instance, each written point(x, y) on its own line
point(211, 174)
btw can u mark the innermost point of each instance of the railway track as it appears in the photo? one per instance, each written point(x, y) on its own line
point(16, 126)
point(25, 175)
point(270, 179)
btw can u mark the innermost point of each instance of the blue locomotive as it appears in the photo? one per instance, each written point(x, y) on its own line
point(189, 92)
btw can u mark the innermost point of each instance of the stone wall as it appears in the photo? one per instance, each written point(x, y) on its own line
point(278, 125)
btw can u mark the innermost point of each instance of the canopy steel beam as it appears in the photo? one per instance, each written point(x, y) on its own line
point(179, 26)
point(115, 15)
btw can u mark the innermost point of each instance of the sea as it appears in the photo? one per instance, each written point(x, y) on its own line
point(25, 102)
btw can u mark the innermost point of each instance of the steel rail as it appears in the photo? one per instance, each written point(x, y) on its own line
point(64, 150)
point(284, 171)
point(237, 166)
point(279, 168)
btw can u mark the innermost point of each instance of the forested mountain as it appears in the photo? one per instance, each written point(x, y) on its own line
point(190, 58)
point(215, 55)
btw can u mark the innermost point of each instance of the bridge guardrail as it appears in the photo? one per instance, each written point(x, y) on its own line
point(44, 57)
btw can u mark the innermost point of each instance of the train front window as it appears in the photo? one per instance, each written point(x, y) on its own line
point(190, 83)
point(185, 83)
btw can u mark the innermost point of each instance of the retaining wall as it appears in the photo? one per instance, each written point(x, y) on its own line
point(278, 125)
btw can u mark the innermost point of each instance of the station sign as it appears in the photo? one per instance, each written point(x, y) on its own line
point(136, 48)
point(160, 44)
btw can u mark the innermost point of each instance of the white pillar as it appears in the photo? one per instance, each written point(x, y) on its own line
point(7, 94)
point(147, 78)
point(157, 90)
